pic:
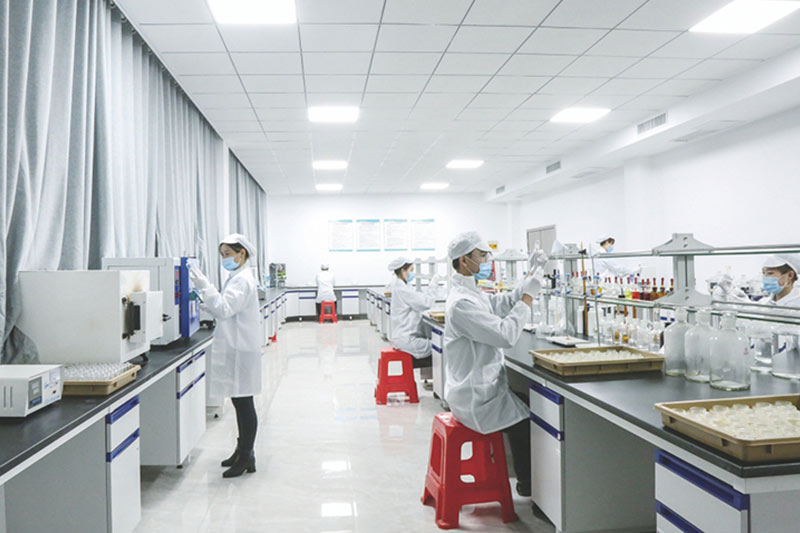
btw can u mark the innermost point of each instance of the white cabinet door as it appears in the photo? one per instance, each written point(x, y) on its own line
point(122, 480)
point(307, 305)
point(292, 304)
point(546, 471)
point(350, 302)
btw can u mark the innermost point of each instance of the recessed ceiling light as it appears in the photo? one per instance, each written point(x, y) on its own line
point(329, 187)
point(580, 115)
point(434, 186)
point(253, 11)
point(333, 114)
point(465, 163)
point(745, 16)
point(329, 164)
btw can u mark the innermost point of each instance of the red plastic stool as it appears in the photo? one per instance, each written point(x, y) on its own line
point(443, 484)
point(327, 311)
point(401, 383)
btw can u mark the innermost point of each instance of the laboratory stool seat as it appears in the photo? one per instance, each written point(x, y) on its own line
point(328, 312)
point(400, 383)
point(274, 338)
point(445, 487)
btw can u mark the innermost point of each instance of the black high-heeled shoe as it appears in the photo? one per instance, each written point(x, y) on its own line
point(246, 462)
point(232, 459)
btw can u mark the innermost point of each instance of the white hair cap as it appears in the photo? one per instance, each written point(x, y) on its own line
point(398, 262)
point(464, 243)
point(778, 260)
point(238, 238)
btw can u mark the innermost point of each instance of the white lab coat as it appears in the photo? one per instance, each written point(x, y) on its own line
point(478, 328)
point(235, 369)
point(790, 300)
point(608, 267)
point(407, 308)
point(325, 287)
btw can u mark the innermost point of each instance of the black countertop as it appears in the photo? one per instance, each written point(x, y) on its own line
point(632, 397)
point(21, 438)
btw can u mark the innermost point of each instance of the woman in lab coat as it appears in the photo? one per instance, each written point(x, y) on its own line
point(325, 284)
point(779, 275)
point(608, 267)
point(236, 354)
point(407, 308)
point(478, 327)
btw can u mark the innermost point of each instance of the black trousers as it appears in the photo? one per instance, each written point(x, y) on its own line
point(519, 439)
point(247, 421)
point(424, 362)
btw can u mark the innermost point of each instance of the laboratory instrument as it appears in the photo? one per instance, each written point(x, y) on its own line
point(27, 388)
point(277, 275)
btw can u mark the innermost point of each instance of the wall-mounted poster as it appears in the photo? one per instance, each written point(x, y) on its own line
point(368, 235)
point(396, 234)
point(423, 236)
point(340, 235)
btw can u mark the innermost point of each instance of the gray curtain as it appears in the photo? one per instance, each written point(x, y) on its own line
point(102, 154)
point(249, 211)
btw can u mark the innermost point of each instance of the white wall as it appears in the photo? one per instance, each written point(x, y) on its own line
point(298, 230)
point(738, 188)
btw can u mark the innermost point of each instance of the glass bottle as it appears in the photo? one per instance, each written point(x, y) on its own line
point(761, 346)
point(656, 336)
point(674, 344)
point(696, 347)
point(729, 356)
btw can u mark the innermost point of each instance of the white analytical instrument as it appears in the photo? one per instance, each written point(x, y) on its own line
point(24, 389)
point(89, 316)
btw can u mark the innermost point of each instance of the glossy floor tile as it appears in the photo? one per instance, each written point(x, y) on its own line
point(328, 458)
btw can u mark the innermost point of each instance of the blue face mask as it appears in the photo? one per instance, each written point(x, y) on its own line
point(610, 249)
point(410, 278)
point(484, 270)
point(771, 285)
point(229, 263)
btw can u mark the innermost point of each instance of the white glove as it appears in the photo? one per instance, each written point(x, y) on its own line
point(533, 284)
point(198, 278)
point(537, 258)
point(435, 280)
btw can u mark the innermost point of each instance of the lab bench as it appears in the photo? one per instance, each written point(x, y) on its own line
point(74, 466)
point(437, 358)
point(300, 302)
point(602, 460)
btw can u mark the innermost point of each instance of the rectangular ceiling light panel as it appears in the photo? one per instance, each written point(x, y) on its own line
point(746, 16)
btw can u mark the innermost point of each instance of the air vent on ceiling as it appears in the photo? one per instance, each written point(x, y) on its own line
point(552, 167)
point(653, 123)
point(500, 190)
point(710, 128)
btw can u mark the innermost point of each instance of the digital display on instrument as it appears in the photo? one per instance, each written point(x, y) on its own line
point(34, 392)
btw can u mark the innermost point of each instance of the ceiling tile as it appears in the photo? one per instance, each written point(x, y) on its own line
point(202, 63)
point(230, 114)
point(532, 115)
point(338, 37)
point(628, 86)
point(273, 84)
point(760, 47)
point(383, 100)
point(285, 125)
point(453, 63)
point(237, 126)
point(653, 102)
point(267, 63)
point(425, 11)
point(396, 38)
point(497, 100)
point(697, 45)
point(336, 63)
point(549, 101)
point(659, 67)
point(602, 66)
point(246, 137)
point(509, 12)
point(397, 84)
point(569, 85)
point(183, 38)
point(516, 84)
point(456, 84)
point(483, 113)
point(536, 64)
point(267, 99)
point(211, 84)
point(591, 13)
point(334, 99)
point(631, 43)
point(789, 25)
point(221, 101)
point(243, 38)
point(173, 12)
point(404, 63)
point(681, 87)
point(678, 15)
point(610, 101)
point(335, 84)
point(281, 113)
point(488, 39)
point(718, 69)
point(457, 100)
point(341, 11)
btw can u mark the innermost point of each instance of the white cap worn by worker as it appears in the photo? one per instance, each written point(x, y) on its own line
point(238, 238)
point(464, 243)
point(603, 238)
point(778, 260)
point(398, 262)
point(324, 266)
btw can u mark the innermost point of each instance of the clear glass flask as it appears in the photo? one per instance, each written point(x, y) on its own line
point(729, 356)
point(674, 344)
point(761, 346)
point(696, 347)
point(786, 361)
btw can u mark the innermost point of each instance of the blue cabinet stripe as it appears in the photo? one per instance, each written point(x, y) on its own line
point(436, 349)
point(675, 519)
point(541, 390)
point(110, 456)
point(556, 434)
point(182, 393)
point(438, 332)
point(198, 379)
point(718, 489)
point(120, 411)
point(185, 364)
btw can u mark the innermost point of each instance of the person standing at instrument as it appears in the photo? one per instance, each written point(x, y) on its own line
point(236, 353)
point(325, 282)
point(608, 267)
point(478, 327)
point(407, 307)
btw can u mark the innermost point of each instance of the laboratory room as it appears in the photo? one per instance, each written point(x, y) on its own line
point(380, 266)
